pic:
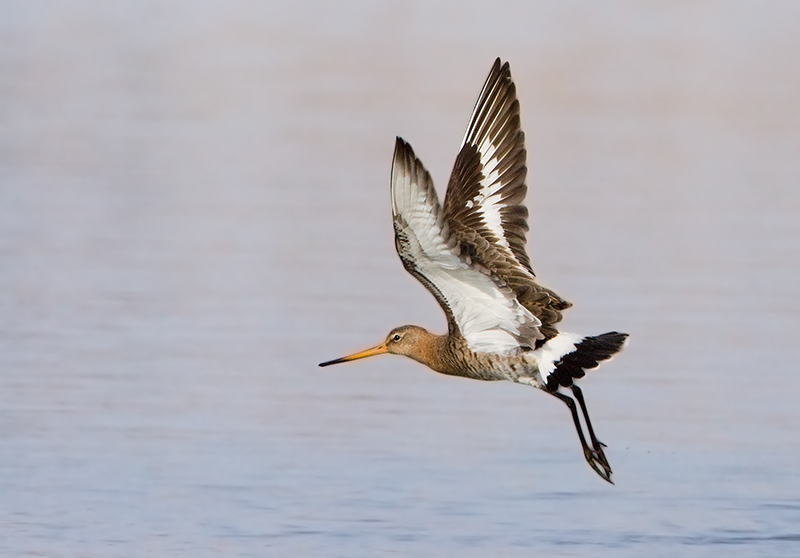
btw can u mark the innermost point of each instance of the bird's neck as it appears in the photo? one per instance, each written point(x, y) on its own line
point(430, 350)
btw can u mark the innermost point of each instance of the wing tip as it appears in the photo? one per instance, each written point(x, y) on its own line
point(501, 68)
point(402, 146)
point(407, 169)
point(403, 156)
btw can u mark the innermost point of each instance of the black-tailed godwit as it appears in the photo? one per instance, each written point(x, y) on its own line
point(470, 253)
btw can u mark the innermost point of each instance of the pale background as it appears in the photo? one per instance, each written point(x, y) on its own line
point(194, 212)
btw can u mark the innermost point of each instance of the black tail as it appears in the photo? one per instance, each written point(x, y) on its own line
point(590, 352)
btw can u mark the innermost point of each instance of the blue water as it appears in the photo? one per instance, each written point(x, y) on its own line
point(194, 212)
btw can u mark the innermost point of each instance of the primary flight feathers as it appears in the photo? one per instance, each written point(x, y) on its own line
point(471, 253)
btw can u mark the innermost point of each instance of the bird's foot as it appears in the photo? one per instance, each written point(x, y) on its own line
point(597, 461)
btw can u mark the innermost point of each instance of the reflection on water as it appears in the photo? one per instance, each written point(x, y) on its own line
point(195, 213)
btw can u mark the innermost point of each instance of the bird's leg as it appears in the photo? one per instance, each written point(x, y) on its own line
point(593, 456)
point(597, 445)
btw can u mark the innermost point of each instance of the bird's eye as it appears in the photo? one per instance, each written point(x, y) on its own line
point(396, 337)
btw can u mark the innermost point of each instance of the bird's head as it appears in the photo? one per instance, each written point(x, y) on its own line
point(408, 340)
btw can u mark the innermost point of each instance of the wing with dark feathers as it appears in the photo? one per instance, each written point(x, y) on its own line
point(479, 305)
point(484, 204)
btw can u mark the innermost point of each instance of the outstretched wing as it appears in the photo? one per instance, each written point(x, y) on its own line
point(487, 186)
point(479, 305)
point(484, 204)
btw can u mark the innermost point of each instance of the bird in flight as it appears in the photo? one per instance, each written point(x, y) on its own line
point(470, 254)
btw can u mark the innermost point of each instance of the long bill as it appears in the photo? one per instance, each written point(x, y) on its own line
point(379, 350)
